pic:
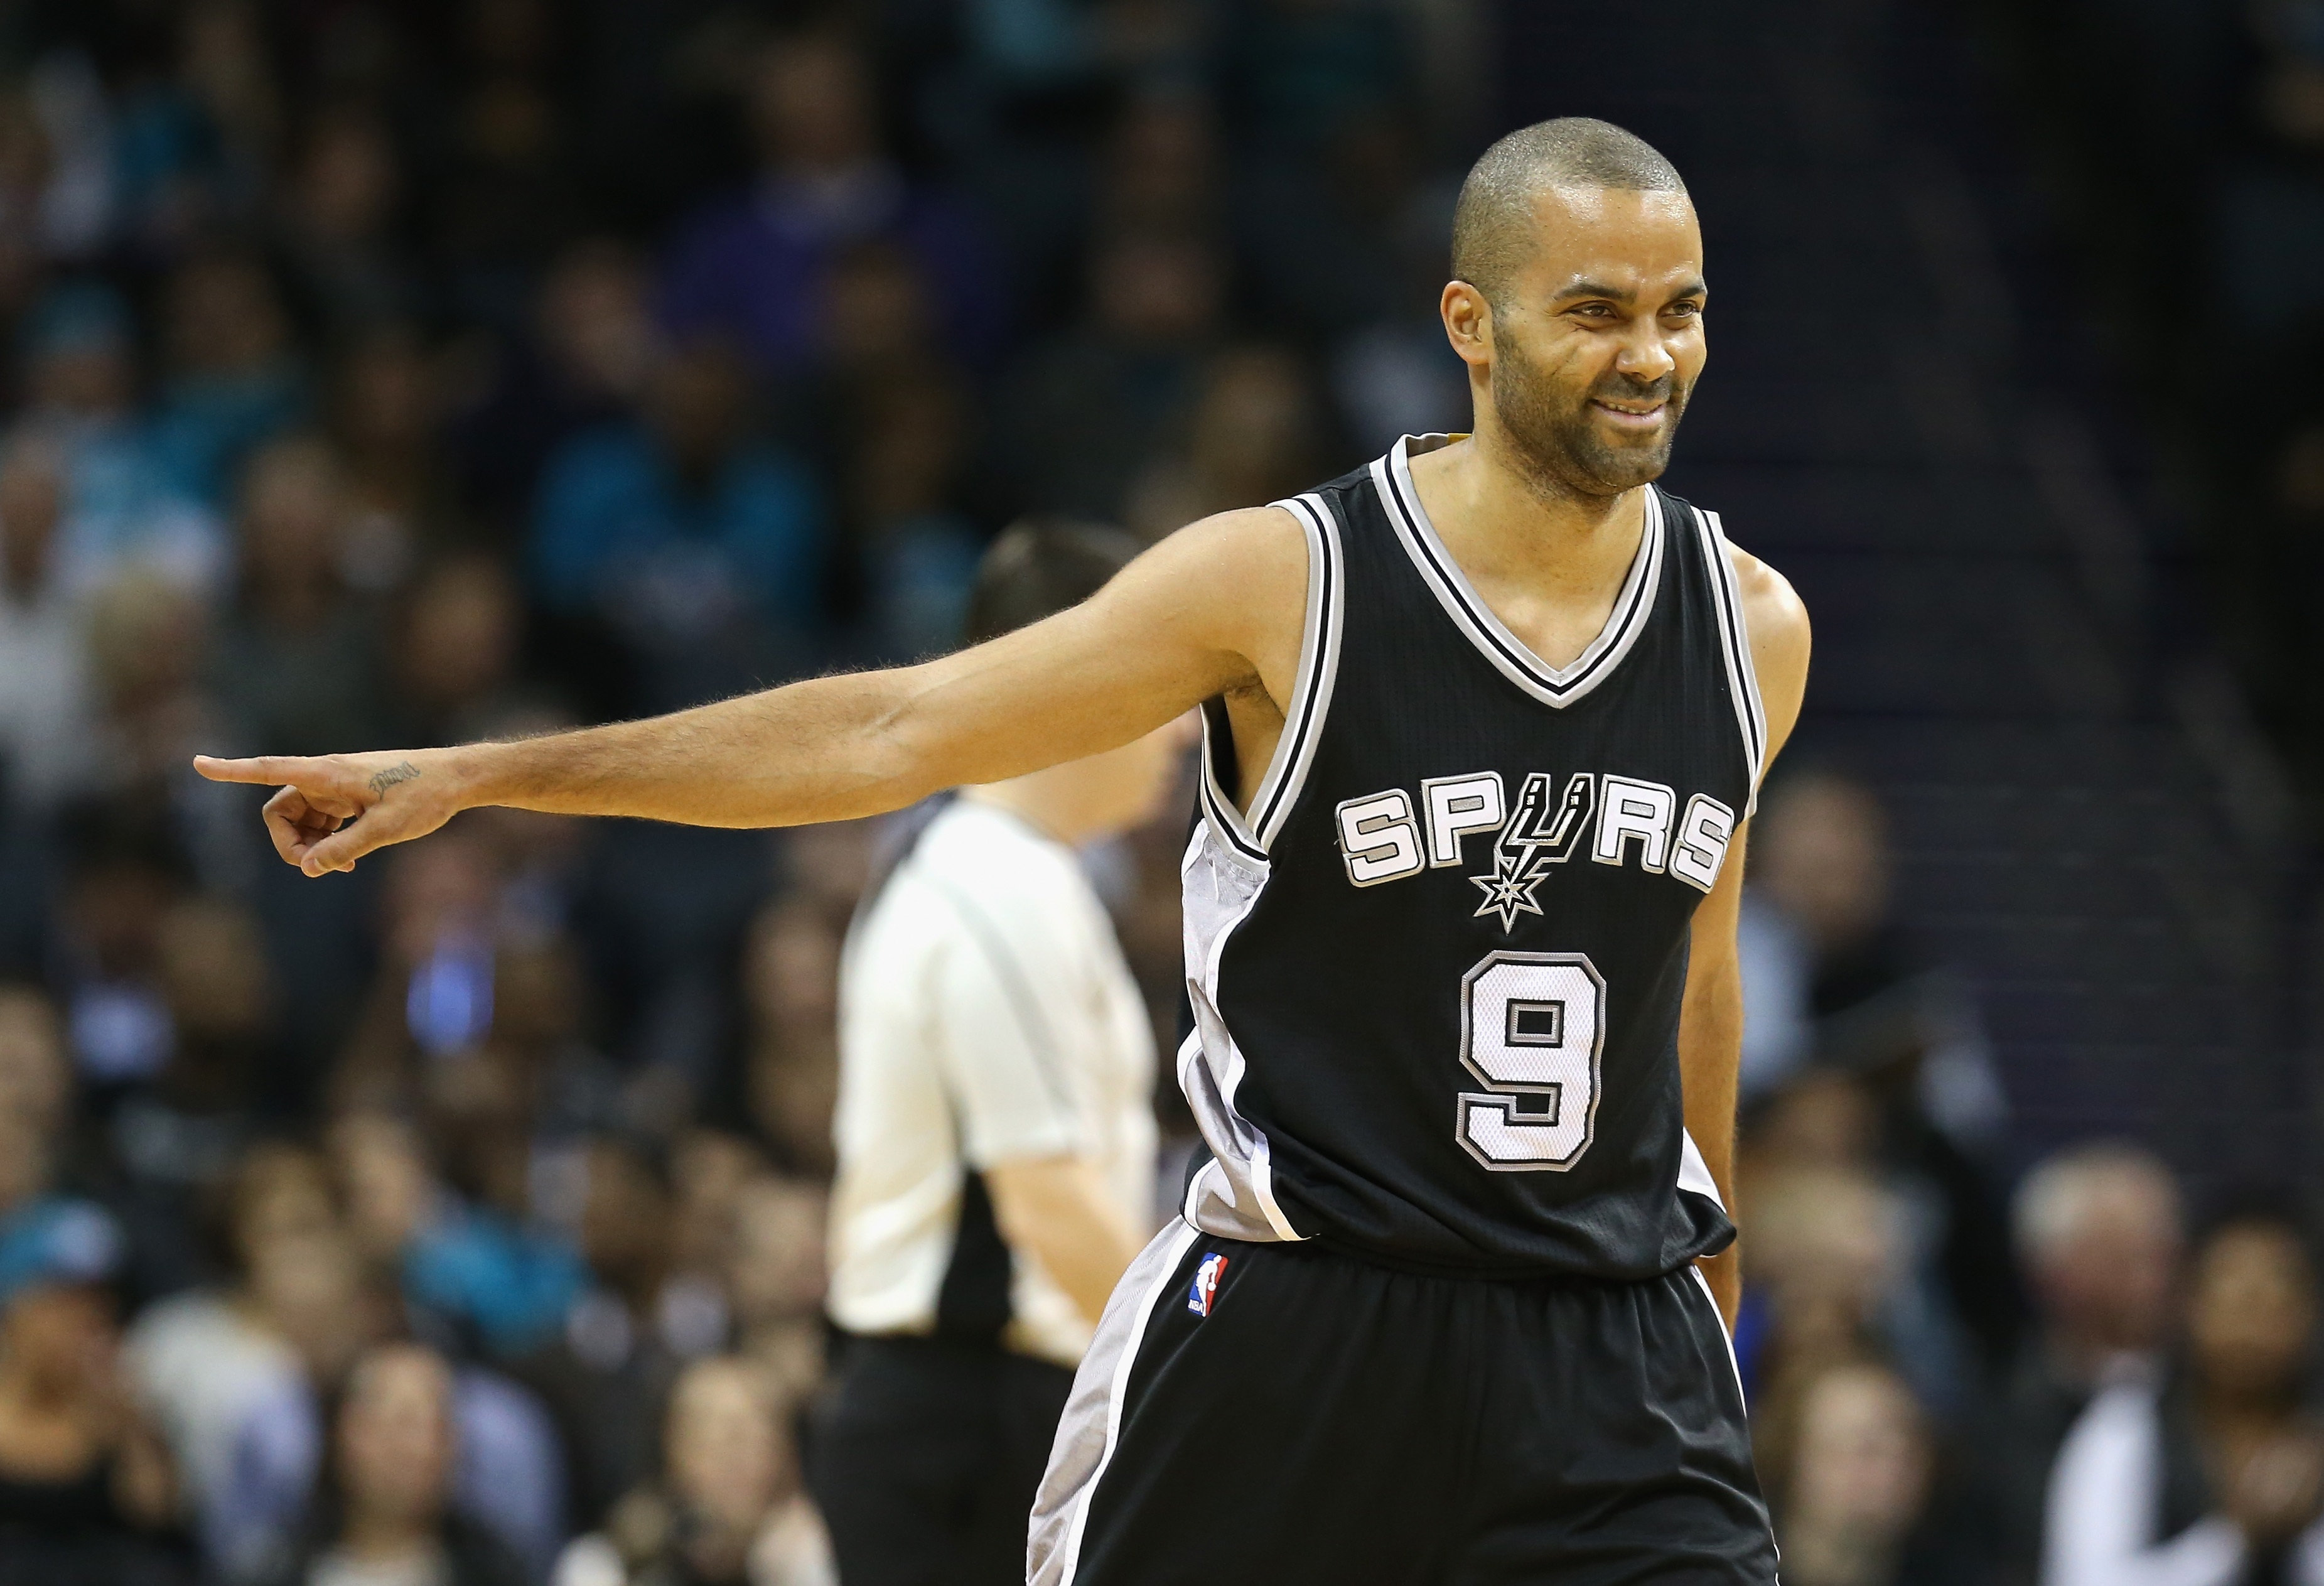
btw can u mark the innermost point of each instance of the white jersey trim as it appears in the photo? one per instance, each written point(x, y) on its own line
point(1311, 694)
point(1735, 643)
point(1557, 687)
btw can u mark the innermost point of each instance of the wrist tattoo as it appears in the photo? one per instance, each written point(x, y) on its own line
point(383, 780)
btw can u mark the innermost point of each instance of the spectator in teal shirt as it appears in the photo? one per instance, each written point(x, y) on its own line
point(697, 542)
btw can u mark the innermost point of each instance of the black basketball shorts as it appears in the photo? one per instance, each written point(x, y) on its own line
point(1256, 1415)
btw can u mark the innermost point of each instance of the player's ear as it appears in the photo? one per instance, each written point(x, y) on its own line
point(1468, 321)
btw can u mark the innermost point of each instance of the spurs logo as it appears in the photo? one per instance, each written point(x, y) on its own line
point(1536, 835)
point(1619, 821)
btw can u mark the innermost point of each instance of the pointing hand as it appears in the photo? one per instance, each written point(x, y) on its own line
point(334, 808)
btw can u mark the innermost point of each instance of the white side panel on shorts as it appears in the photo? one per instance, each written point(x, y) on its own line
point(1091, 1427)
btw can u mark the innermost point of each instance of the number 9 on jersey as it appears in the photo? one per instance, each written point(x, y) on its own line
point(1532, 1028)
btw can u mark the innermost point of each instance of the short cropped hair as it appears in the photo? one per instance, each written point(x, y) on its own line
point(1495, 209)
point(1038, 567)
point(2051, 1203)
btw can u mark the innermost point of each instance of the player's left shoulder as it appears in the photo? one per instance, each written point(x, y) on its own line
point(1776, 620)
point(1772, 608)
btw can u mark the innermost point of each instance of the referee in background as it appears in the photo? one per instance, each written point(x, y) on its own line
point(995, 1131)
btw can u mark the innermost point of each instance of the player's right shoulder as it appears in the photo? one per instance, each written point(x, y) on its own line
point(1263, 543)
point(1235, 581)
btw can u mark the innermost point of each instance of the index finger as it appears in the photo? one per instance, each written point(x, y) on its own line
point(267, 769)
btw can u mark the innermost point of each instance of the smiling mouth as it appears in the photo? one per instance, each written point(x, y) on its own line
point(1638, 414)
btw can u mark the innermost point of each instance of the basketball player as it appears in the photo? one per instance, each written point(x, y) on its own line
point(995, 1131)
point(1485, 721)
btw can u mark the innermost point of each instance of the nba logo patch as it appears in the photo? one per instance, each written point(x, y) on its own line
point(1206, 1292)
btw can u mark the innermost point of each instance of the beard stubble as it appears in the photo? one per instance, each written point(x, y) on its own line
point(1555, 440)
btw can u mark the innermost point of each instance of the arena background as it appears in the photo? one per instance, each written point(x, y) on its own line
point(406, 372)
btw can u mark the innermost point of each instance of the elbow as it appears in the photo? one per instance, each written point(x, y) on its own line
point(902, 758)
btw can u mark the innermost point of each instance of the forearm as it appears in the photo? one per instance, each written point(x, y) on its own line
point(830, 748)
point(1714, 1136)
point(1711, 1059)
point(1165, 635)
point(1058, 1212)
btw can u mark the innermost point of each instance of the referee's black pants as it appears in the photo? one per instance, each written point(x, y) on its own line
point(926, 1458)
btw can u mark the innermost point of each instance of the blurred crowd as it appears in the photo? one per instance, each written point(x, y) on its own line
point(405, 374)
point(2186, 142)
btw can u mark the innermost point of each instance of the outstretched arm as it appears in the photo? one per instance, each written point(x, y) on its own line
point(1711, 1021)
point(1216, 606)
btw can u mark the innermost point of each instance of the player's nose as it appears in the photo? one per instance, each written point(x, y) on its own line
point(1646, 357)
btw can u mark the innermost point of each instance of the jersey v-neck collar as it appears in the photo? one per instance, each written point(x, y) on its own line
point(1557, 687)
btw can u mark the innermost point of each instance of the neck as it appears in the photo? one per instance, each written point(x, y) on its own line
point(1050, 801)
point(1497, 513)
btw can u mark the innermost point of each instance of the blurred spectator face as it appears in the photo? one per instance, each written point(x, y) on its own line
point(35, 1075)
point(25, 158)
point(776, 1271)
point(593, 320)
point(877, 307)
point(309, 1290)
point(438, 890)
point(460, 634)
point(24, 1159)
point(811, 107)
point(113, 908)
point(222, 317)
point(909, 450)
point(214, 974)
point(625, 1217)
point(1820, 1120)
point(512, 34)
point(281, 1195)
point(1162, 167)
point(1822, 853)
point(2100, 1235)
point(1156, 290)
point(728, 1462)
point(225, 62)
point(346, 183)
point(1860, 1474)
point(510, 123)
point(2300, 473)
point(58, 1339)
point(696, 405)
point(145, 642)
point(1824, 1243)
point(293, 515)
point(791, 980)
point(2251, 1319)
point(793, 969)
point(537, 994)
point(390, 1192)
point(386, 396)
point(31, 500)
point(479, 1115)
point(710, 1168)
point(395, 1438)
point(85, 370)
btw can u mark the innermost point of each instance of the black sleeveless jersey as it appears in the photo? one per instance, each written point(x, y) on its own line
point(1436, 967)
